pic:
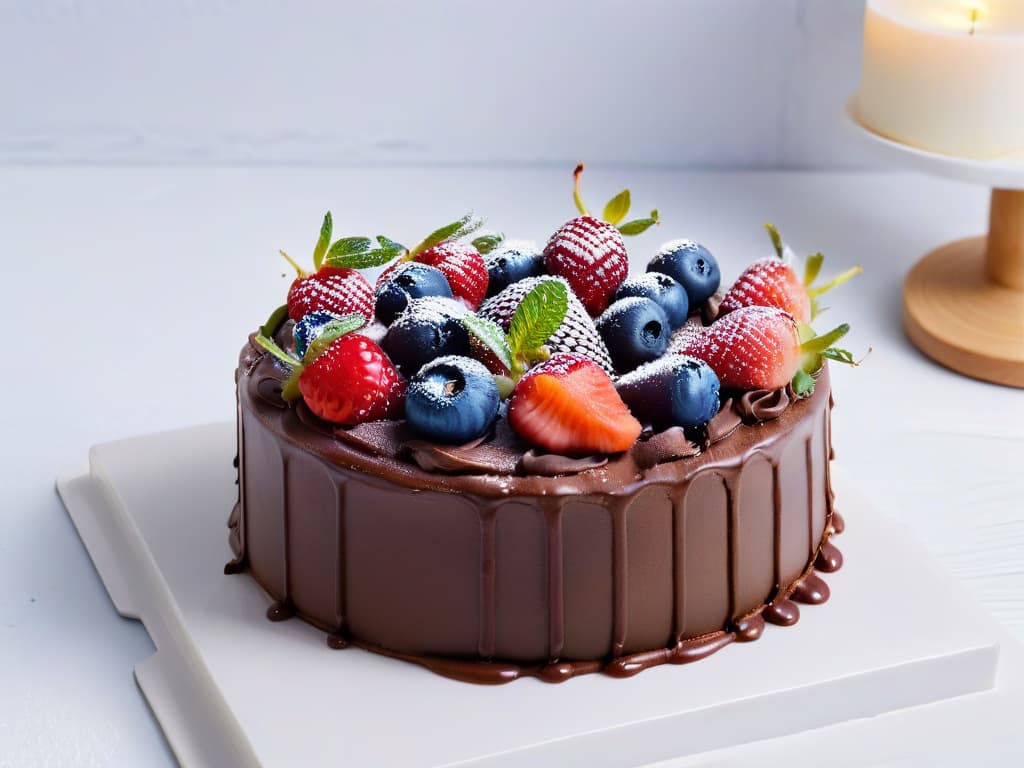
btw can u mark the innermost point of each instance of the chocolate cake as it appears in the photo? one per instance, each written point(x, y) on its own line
point(598, 517)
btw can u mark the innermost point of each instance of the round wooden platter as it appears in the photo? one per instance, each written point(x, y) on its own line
point(956, 315)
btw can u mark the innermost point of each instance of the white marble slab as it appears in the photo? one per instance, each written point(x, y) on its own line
point(229, 687)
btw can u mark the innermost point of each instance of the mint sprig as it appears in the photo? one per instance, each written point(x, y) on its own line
point(489, 335)
point(487, 243)
point(358, 253)
point(538, 315)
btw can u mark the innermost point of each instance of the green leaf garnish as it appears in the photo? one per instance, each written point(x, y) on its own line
point(390, 245)
point(467, 225)
point(490, 335)
point(637, 226)
point(330, 333)
point(275, 321)
point(324, 241)
point(812, 267)
point(355, 253)
point(777, 243)
point(349, 246)
point(617, 208)
point(538, 315)
point(803, 383)
point(487, 243)
point(271, 346)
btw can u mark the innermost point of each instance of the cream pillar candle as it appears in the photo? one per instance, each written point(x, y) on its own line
point(945, 75)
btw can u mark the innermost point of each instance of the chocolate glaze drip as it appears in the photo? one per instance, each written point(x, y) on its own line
point(280, 610)
point(829, 558)
point(488, 577)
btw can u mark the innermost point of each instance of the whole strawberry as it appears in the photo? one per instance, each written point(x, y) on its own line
point(461, 262)
point(343, 377)
point(590, 253)
point(335, 285)
point(576, 332)
point(772, 282)
point(762, 348)
point(568, 405)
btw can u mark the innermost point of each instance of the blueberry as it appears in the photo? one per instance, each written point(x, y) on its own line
point(676, 391)
point(309, 328)
point(410, 281)
point(510, 265)
point(452, 400)
point(428, 328)
point(692, 265)
point(661, 289)
point(635, 330)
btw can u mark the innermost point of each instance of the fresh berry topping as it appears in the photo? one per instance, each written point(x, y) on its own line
point(568, 405)
point(591, 255)
point(464, 267)
point(409, 280)
point(751, 348)
point(772, 282)
point(692, 265)
point(452, 400)
point(430, 327)
point(339, 290)
point(510, 265)
point(309, 328)
point(576, 332)
point(351, 382)
point(635, 330)
point(675, 391)
point(661, 289)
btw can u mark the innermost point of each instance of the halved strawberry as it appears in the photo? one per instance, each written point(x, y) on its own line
point(568, 405)
point(763, 348)
point(772, 282)
point(590, 252)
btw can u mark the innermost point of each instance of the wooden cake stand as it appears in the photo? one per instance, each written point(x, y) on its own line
point(963, 303)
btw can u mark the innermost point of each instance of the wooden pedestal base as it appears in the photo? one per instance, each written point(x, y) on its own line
point(958, 316)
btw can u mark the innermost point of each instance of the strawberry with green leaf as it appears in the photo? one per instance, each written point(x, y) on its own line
point(343, 377)
point(772, 282)
point(590, 252)
point(335, 284)
point(460, 262)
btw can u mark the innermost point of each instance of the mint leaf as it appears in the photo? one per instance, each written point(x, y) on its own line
point(391, 245)
point(637, 226)
point(490, 335)
point(348, 246)
point(812, 267)
point(617, 208)
point(324, 242)
point(467, 225)
point(773, 233)
point(271, 346)
point(275, 321)
point(487, 243)
point(840, 356)
point(330, 333)
point(538, 315)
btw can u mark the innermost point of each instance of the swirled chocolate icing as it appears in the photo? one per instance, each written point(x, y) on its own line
point(488, 561)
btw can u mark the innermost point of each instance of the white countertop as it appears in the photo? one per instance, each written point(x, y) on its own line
point(131, 291)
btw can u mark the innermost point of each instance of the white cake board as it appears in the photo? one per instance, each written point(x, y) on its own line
point(231, 688)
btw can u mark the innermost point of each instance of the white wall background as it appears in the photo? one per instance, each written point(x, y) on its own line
point(704, 83)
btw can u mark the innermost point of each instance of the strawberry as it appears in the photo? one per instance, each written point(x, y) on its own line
point(351, 382)
point(772, 282)
point(590, 252)
point(568, 405)
point(576, 332)
point(338, 290)
point(762, 348)
point(344, 377)
point(335, 285)
point(460, 262)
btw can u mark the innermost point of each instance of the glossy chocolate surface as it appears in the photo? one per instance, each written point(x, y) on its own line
point(486, 565)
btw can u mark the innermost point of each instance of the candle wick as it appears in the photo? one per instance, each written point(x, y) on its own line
point(974, 19)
